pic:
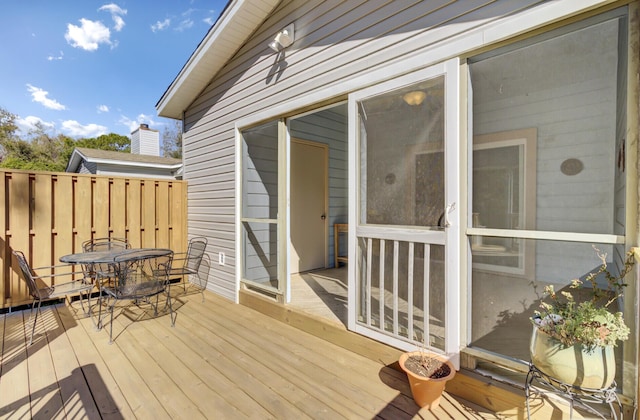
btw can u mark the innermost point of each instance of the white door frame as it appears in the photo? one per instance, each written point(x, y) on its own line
point(451, 71)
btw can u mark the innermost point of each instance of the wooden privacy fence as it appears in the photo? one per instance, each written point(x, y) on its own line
point(47, 215)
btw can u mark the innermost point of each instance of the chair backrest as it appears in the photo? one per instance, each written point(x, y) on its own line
point(105, 244)
point(140, 276)
point(195, 253)
point(28, 274)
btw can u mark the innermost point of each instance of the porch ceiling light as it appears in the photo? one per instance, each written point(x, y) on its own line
point(414, 97)
point(283, 39)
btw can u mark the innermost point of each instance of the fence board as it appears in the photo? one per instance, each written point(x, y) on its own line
point(148, 214)
point(47, 215)
point(5, 255)
point(42, 220)
point(63, 229)
point(134, 212)
point(163, 214)
point(118, 223)
point(83, 209)
point(19, 210)
point(101, 208)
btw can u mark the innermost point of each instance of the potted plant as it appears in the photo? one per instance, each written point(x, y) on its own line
point(573, 340)
point(427, 373)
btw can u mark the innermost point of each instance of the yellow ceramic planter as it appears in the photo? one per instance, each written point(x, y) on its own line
point(572, 365)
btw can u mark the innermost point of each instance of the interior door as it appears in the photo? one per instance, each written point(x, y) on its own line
point(404, 207)
point(309, 167)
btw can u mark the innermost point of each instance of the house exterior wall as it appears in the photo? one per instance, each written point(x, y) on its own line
point(119, 170)
point(340, 47)
point(87, 168)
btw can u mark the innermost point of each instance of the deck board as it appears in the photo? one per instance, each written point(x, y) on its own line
point(221, 360)
point(14, 372)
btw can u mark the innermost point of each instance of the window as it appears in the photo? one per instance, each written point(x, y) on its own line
point(504, 197)
point(548, 175)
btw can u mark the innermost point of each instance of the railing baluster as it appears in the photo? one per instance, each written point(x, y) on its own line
point(396, 251)
point(410, 292)
point(425, 289)
point(368, 285)
point(381, 284)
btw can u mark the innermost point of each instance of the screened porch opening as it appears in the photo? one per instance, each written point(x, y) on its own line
point(548, 177)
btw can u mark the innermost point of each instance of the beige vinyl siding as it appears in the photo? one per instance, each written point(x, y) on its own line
point(338, 46)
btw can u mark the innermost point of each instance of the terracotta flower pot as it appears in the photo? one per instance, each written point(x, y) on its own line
point(573, 365)
point(426, 391)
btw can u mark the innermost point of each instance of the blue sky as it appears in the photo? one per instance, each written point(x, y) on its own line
point(85, 68)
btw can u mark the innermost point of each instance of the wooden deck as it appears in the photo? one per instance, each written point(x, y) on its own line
point(221, 360)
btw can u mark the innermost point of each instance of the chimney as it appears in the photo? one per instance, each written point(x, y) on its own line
point(145, 141)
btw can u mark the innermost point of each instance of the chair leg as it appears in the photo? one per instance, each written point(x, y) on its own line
point(171, 316)
point(100, 304)
point(111, 323)
point(35, 319)
point(200, 286)
point(88, 298)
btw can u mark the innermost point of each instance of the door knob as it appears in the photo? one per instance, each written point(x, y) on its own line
point(323, 217)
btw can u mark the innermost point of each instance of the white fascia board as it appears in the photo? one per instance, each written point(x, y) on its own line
point(74, 161)
point(210, 57)
point(136, 164)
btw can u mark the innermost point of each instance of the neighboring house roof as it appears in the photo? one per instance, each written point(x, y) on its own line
point(81, 154)
point(236, 23)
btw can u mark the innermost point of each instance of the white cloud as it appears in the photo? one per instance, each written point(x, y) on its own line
point(28, 124)
point(140, 119)
point(40, 96)
point(75, 129)
point(161, 26)
point(53, 57)
point(116, 14)
point(184, 25)
point(88, 36)
point(102, 108)
point(119, 23)
point(209, 20)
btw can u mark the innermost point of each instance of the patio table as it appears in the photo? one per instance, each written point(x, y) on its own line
point(106, 257)
point(95, 258)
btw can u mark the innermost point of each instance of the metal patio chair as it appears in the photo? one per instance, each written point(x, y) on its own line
point(138, 277)
point(188, 263)
point(40, 291)
point(105, 244)
point(98, 245)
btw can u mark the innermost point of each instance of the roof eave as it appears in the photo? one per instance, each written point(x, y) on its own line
point(218, 46)
point(74, 161)
point(135, 164)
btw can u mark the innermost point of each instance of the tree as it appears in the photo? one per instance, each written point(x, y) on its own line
point(40, 150)
point(172, 140)
point(8, 125)
point(112, 141)
point(8, 128)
